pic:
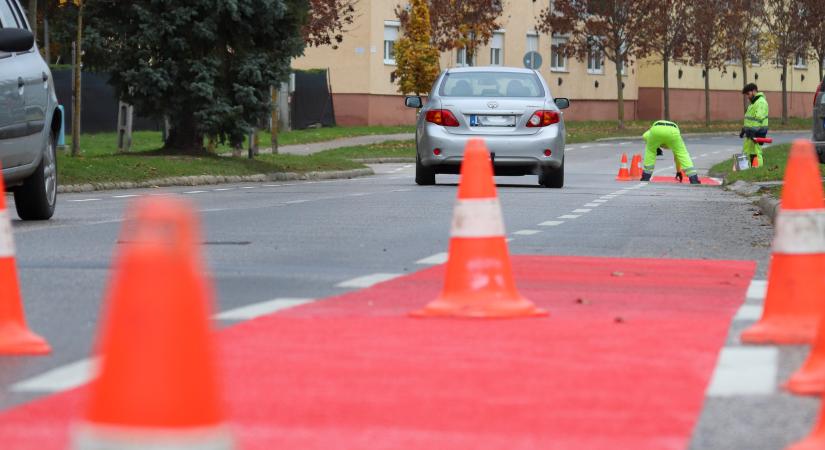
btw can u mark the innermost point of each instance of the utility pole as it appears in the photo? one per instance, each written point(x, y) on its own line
point(78, 60)
point(274, 119)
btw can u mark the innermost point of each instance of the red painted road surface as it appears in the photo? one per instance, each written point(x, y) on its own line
point(622, 362)
point(673, 180)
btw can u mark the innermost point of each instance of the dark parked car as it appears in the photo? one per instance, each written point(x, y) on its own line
point(29, 117)
point(819, 121)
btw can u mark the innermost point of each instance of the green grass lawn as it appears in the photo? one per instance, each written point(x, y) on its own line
point(391, 149)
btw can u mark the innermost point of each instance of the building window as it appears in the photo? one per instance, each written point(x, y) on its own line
point(532, 42)
point(391, 29)
point(595, 60)
point(800, 61)
point(558, 60)
point(497, 49)
point(461, 58)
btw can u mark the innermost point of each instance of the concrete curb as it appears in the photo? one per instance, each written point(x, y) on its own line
point(384, 160)
point(769, 207)
point(199, 180)
point(715, 133)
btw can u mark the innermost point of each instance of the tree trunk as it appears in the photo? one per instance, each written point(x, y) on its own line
point(184, 136)
point(273, 142)
point(666, 68)
point(78, 63)
point(707, 96)
point(33, 17)
point(784, 92)
point(47, 46)
point(745, 100)
point(620, 96)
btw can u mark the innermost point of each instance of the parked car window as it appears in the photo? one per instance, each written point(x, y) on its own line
point(491, 84)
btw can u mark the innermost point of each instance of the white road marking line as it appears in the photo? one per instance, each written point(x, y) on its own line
point(401, 190)
point(703, 155)
point(358, 194)
point(592, 205)
point(582, 210)
point(125, 196)
point(585, 146)
point(527, 232)
point(568, 216)
point(368, 280)
point(619, 192)
point(194, 192)
point(255, 310)
point(248, 187)
point(718, 151)
point(744, 371)
point(438, 258)
point(272, 185)
point(551, 223)
point(749, 312)
point(600, 201)
point(295, 202)
point(222, 189)
point(757, 289)
point(212, 210)
point(608, 197)
point(80, 200)
point(60, 378)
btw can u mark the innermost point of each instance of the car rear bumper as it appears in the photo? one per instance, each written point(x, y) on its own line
point(512, 154)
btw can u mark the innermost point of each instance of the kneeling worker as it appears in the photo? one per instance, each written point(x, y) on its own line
point(666, 134)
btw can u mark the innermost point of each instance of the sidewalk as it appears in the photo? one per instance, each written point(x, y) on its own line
point(315, 147)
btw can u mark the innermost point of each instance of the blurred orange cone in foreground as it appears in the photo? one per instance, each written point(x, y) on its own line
point(479, 280)
point(15, 336)
point(796, 287)
point(624, 174)
point(636, 167)
point(157, 386)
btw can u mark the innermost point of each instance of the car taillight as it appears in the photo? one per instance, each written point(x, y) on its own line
point(443, 117)
point(543, 118)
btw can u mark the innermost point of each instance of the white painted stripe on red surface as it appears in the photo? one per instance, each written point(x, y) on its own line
point(744, 371)
point(438, 258)
point(6, 235)
point(256, 310)
point(749, 312)
point(59, 379)
point(757, 289)
point(368, 280)
point(800, 232)
point(477, 218)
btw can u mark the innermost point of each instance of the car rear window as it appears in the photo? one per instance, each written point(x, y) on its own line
point(491, 84)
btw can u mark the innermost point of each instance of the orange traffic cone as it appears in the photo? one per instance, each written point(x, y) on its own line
point(796, 288)
point(624, 174)
point(755, 163)
point(157, 386)
point(15, 336)
point(636, 167)
point(816, 440)
point(479, 281)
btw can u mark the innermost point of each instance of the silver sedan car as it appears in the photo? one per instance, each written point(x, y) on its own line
point(510, 108)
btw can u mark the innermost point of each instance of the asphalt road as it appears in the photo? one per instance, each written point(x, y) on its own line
point(308, 240)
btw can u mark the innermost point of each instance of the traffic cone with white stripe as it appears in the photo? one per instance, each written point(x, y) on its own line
point(157, 386)
point(624, 173)
point(15, 336)
point(479, 281)
point(636, 167)
point(795, 299)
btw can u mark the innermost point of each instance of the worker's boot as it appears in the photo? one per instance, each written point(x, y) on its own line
point(646, 176)
point(694, 179)
point(659, 152)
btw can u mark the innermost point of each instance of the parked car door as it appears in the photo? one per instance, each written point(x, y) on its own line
point(16, 139)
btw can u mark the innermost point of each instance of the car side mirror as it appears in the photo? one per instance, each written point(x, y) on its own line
point(562, 103)
point(413, 102)
point(15, 40)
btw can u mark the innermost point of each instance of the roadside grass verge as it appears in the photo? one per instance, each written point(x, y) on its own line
point(586, 131)
point(390, 149)
point(151, 165)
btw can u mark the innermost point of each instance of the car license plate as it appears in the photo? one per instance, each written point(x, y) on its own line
point(477, 120)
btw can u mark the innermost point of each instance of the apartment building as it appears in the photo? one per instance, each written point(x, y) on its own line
point(364, 92)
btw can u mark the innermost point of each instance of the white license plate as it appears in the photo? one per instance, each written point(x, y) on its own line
point(492, 121)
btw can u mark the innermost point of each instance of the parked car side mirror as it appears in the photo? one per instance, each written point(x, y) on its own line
point(14, 40)
point(562, 103)
point(413, 102)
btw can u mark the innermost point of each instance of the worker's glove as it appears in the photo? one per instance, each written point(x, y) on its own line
point(742, 133)
point(679, 176)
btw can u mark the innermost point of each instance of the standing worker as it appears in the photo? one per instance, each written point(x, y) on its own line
point(666, 134)
point(755, 124)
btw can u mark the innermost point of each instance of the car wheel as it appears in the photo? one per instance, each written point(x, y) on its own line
point(552, 178)
point(424, 176)
point(36, 198)
point(820, 150)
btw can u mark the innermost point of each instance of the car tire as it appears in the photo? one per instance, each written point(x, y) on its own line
point(424, 176)
point(820, 151)
point(552, 178)
point(36, 198)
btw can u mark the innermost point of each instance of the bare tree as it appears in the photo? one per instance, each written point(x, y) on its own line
point(814, 25)
point(327, 21)
point(783, 18)
point(612, 28)
point(666, 38)
point(704, 43)
point(742, 31)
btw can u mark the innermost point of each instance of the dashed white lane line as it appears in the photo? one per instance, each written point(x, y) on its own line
point(194, 192)
point(600, 201)
point(438, 258)
point(757, 289)
point(703, 155)
point(255, 310)
point(608, 197)
point(222, 189)
point(568, 216)
point(527, 232)
point(81, 200)
point(272, 185)
point(368, 280)
point(126, 196)
point(592, 205)
point(60, 378)
point(744, 371)
point(748, 312)
point(295, 202)
point(551, 223)
point(582, 210)
point(249, 187)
